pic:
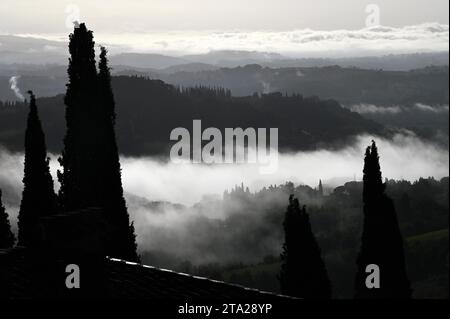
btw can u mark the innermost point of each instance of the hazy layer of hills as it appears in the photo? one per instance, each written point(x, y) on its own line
point(148, 110)
point(388, 97)
point(32, 50)
point(359, 84)
point(346, 85)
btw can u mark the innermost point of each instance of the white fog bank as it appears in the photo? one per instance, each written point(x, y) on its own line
point(403, 157)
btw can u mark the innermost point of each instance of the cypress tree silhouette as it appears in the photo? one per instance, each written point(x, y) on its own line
point(303, 273)
point(6, 236)
point(80, 143)
point(38, 197)
point(382, 242)
point(92, 175)
point(124, 241)
point(320, 188)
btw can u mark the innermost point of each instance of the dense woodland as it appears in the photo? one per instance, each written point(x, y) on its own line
point(148, 110)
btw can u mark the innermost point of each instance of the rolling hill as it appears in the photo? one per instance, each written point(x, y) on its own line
point(148, 110)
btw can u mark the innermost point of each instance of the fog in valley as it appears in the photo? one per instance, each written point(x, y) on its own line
point(169, 203)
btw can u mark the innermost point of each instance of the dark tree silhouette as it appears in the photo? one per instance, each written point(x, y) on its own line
point(38, 197)
point(382, 242)
point(6, 236)
point(303, 273)
point(81, 141)
point(124, 240)
point(92, 175)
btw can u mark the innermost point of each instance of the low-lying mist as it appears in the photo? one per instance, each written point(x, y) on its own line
point(430, 122)
point(403, 157)
point(396, 109)
point(178, 209)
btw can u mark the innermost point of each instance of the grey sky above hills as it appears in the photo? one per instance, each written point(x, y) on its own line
point(136, 16)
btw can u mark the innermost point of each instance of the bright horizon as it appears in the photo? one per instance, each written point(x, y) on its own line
point(305, 43)
point(319, 29)
point(112, 16)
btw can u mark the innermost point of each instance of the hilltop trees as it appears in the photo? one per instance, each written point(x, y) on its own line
point(38, 197)
point(6, 236)
point(382, 243)
point(320, 188)
point(303, 273)
point(92, 174)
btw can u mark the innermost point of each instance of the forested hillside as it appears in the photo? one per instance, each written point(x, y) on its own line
point(148, 110)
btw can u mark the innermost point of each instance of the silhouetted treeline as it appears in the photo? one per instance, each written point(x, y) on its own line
point(10, 105)
point(206, 91)
point(347, 85)
point(144, 124)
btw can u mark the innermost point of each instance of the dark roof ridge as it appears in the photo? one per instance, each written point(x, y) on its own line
point(201, 278)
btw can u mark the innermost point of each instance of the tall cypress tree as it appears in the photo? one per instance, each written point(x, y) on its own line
point(124, 241)
point(79, 156)
point(92, 176)
point(38, 197)
point(6, 236)
point(382, 242)
point(303, 273)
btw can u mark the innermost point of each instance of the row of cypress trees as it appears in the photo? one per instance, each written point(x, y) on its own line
point(92, 173)
point(303, 273)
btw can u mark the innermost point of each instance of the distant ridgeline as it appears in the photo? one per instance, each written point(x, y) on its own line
point(148, 110)
point(348, 85)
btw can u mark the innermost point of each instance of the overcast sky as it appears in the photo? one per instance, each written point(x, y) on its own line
point(296, 28)
point(116, 16)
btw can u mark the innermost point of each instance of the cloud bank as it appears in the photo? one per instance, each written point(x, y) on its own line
point(372, 41)
point(404, 157)
point(367, 109)
point(379, 40)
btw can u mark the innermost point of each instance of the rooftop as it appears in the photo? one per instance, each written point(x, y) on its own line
point(23, 275)
point(79, 238)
